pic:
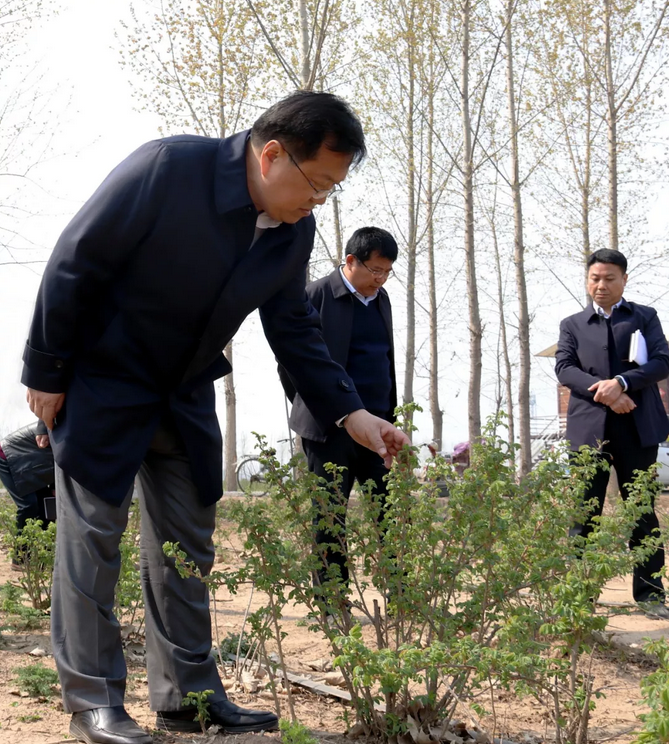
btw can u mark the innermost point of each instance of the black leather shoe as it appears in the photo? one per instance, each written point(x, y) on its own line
point(230, 717)
point(654, 610)
point(107, 726)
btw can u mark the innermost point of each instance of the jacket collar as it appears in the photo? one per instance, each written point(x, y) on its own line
point(339, 289)
point(590, 314)
point(230, 186)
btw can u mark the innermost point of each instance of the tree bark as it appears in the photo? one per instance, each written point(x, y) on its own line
point(305, 66)
point(410, 354)
point(508, 377)
point(339, 241)
point(525, 464)
point(475, 331)
point(435, 410)
point(230, 444)
point(611, 126)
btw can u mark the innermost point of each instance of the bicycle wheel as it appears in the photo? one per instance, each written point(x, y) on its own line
point(251, 477)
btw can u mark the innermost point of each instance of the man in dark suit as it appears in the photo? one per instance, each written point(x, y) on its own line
point(144, 289)
point(355, 315)
point(615, 401)
point(26, 472)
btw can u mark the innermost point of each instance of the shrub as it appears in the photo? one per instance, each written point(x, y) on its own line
point(128, 599)
point(35, 547)
point(37, 680)
point(199, 700)
point(295, 733)
point(655, 693)
point(16, 612)
point(474, 594)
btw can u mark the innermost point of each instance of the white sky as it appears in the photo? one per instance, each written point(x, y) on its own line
point(98, 128)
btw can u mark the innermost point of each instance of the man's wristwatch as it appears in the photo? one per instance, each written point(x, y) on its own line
point(621, 381)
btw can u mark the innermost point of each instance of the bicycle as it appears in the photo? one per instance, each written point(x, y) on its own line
point(251, 474)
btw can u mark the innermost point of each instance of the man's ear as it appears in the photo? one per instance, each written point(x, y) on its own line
point(270, 152)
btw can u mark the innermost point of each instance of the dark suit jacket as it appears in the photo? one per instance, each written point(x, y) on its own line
point(334, 303)
point(31, 467)
point(582, 358)
point(144, 289)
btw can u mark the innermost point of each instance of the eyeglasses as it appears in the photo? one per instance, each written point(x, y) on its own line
point(377, 272)
point(318, 193)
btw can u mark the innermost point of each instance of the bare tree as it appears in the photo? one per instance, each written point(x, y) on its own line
point(519, 254)
point(201, 67)
point(626, 59)
point(26, 118)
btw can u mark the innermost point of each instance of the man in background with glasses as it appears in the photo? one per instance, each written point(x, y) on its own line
point(356, 319)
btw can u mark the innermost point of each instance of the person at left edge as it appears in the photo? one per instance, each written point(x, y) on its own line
point(144, 289)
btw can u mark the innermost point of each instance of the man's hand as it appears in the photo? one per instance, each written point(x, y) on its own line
point(624, 404)
point(606, 391)
point(45, 405)
point(42, 440)
point(376, 434)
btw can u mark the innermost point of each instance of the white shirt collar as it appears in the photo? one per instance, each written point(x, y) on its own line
point(600, 310)
point(354, 291)
point(264, 221)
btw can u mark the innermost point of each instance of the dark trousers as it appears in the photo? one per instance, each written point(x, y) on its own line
point(623, 451)
point(362, 465)
point(27, 505)
point(86, 635)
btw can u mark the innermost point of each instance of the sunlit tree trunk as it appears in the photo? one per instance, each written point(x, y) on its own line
point(508, 378)
point(612, 131)
point(475, 331)
point(410, 353)
point(435, 410)
point(525, 464)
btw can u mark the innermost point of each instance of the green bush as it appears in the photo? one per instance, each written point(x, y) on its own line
point(200, 702)
point(655, 692)
point(128, 600)
point(35, 548)
point(37, 680)
point(15, 612)
point(474, 594)
point(295, 733)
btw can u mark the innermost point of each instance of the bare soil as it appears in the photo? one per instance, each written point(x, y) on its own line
point(618, 670)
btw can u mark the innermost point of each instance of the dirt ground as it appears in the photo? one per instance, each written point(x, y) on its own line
point(26, 720)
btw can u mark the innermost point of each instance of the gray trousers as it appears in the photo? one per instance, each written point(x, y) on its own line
point(86, 634)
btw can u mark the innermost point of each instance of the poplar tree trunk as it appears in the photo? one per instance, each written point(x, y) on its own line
point(525, 464)
point(410, 355)
point(475, 332)
point(612, 133)
point(435, 411)
point(305, 67)
point(230, 443)
point(508, 378)
point(339, 240)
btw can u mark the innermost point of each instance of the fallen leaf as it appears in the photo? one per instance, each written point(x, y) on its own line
point(453, 738)
point(356, 731)
point(335, 678)
point(320, 665)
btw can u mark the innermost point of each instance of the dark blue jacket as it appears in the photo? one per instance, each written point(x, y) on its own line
point(582, 358)
point(145, 288)
point(334, 303)
point(30, 466)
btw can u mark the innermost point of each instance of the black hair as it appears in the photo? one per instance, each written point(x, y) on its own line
point(366, 240)
point(606, 255)
point(306, 120)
